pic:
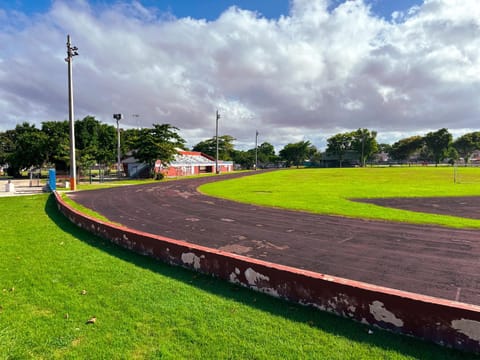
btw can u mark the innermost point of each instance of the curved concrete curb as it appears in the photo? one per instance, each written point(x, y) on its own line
point(448, 323)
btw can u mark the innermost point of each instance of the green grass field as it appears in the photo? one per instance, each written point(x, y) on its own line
point(328, 191)
point(148, 310)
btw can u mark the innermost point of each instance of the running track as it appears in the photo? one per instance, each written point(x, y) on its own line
point(428, 260)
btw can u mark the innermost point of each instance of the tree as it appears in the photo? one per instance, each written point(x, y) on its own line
point(467, 144)
point(95, 140)
point(404, 148)
point(246, 159)
point(316, 159)
point(158, 143)
point(296, 153)
point(364, 143)
point(225, 147)
point(28, 149)
point(339, 144)
point(6, 145)
point(425, 154)
point(106, 150)
point(452, 155)
point(266, 154)
point(438, 143)
point(382, 152)
point(57, 145)
point(384, 148)
point(129, 137)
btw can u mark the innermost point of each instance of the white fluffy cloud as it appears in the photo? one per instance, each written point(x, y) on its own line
point(308, 75)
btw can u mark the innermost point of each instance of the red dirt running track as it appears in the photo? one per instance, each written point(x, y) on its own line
point(428, 260)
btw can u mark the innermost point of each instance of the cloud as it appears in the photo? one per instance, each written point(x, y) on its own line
point(320, 70)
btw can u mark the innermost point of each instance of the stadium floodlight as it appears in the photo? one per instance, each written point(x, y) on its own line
point(71, 52)
point(118, 117)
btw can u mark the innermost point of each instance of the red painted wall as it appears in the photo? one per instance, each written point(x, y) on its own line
point(172, 171)
point(444, 322)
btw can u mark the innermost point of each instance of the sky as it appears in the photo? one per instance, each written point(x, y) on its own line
point(293, 70)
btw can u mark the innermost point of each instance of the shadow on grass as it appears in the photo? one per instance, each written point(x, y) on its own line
point(315, 318)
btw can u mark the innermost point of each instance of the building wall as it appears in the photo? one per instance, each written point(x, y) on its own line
point(444, 322)
point(225, 168)
point(176, 170)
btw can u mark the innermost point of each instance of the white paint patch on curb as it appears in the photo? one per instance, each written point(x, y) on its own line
point(379, 312)
point(192, 259)
point(234, 276)
point(470, 328)
point(255, 280)
point(253, 277)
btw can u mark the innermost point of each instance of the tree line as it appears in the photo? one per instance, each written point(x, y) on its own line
point(27, 147)
point(434, 147)
point(360, 145)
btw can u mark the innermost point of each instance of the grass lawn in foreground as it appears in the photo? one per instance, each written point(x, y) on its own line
point(328, 191)
point(148, 310)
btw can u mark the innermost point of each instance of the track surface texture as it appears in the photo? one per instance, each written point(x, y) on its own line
point(428, 260)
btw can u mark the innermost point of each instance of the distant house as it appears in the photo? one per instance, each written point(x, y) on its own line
point(187, 163)
point(475, 158)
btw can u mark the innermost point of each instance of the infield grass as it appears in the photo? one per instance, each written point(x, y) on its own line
point(148, 310)
point(328, 191)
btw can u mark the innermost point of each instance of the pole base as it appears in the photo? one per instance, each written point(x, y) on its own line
point(73, 184)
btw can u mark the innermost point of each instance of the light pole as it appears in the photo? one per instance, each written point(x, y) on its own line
point(71, 52)
point(217, 171)
point(256, 150)
point(118, 117)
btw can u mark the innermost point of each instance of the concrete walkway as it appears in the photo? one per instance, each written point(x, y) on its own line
point(17, 187)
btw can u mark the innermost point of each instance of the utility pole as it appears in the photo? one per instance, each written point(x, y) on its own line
point(118, 117)
point(363, 147)
point(71, 52)
point(216, 138)
point(256, 150)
